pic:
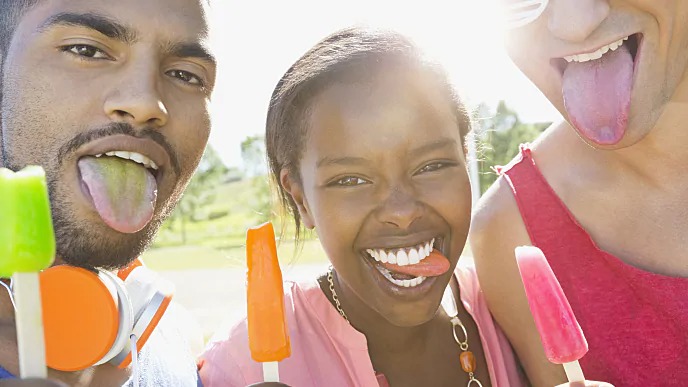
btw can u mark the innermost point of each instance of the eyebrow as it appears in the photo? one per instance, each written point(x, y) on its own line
point(93, 21)
point(192, 50)
point(438, 144)
point(348, 160)
point(351, 160)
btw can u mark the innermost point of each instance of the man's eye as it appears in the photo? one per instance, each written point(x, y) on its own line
point(350, 181)
point(186, 77)
point(85, 51)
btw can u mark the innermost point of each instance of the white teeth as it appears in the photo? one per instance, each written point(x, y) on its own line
point(133, 156)
point(402, 258)
point(597, 54)
point(413, 257)
point(383, 256)
point(403, 283)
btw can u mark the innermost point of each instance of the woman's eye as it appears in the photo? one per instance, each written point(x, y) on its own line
point(350, 181)
point(432, 167)
point(85, 51)
point(186, 77)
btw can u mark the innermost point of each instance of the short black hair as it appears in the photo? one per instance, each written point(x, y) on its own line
point(11, 12)
point(348, 54)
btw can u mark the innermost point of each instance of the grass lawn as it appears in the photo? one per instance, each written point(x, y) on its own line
point(204, 257)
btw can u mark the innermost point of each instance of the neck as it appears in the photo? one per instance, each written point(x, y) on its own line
point(382, 336)
point(665, 148)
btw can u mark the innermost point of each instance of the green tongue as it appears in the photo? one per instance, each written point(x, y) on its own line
point(123, 192)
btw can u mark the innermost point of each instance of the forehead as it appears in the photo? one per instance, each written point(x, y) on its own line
point(167, 21)
point(395, 104)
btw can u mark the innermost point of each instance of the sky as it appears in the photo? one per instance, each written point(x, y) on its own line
point(256, 42)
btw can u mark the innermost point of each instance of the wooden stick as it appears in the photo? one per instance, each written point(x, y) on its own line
point(271, 371)
point(574, 371)
point(29, 321)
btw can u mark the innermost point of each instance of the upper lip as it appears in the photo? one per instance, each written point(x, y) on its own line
point(590, 49)
point(120, 142)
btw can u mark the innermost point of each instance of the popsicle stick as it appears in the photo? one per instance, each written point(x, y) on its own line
point(29, 321)
point(271, 371)
point(574, 372)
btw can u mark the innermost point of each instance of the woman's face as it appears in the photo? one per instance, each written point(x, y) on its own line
point(383, 173)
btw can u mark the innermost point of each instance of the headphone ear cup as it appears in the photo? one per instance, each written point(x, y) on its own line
point(80, 317)
point(126, 316)
point(150, 296)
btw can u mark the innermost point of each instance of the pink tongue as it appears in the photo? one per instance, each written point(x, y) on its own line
point(124, 192)
point(433, 265)
point(597, 95)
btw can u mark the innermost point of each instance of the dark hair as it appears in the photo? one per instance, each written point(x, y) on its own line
point(351, 54)
point(11, 12)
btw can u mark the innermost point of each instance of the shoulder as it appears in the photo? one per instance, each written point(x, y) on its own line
point(227, 360)
point(168, 357)
point(497, 228)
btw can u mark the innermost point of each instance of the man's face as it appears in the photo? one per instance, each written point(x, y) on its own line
point(111, 99)
point(613, 94)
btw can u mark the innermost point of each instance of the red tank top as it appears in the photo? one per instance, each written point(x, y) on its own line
point(635, 321)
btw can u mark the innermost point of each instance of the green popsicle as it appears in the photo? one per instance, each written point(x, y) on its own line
point(27, 240)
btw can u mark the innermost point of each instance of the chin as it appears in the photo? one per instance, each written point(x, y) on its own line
point(408, 316)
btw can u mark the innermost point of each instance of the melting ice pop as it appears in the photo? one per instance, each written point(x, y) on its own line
point(562, 337)
point(267, 329)
point(27, 246)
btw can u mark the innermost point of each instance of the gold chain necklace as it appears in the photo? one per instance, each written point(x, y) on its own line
point(466, 358)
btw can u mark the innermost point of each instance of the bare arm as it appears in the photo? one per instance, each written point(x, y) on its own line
point(497, 229)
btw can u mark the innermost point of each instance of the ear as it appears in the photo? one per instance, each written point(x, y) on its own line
point(295, 189)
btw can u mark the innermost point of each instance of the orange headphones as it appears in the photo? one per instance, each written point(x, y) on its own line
point(89, 318)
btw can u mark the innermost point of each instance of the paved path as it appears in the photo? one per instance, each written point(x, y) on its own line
point(217, 297)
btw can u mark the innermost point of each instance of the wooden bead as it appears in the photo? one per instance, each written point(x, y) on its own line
point(467, 361)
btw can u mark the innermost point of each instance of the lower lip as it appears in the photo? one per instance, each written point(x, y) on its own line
point(410, 293)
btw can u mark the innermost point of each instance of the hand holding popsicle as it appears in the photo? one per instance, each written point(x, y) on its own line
point(561, 335)
point(267, 329)
point(27, 246)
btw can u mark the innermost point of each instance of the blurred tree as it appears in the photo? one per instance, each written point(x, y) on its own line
point(253, 156)
point(500, 139)
point(200, 191)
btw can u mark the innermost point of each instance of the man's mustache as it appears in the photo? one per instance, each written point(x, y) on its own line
point(114, 129)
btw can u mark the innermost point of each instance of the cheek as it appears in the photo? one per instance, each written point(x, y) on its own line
point(33, 127)
point(188, 133)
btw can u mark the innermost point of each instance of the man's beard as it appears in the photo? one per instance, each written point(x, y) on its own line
point(79, 244)
point(83, 244)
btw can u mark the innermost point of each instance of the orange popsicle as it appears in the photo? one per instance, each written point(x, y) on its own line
point(267, 328)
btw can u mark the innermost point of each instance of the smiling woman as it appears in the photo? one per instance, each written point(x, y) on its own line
point(364, 138)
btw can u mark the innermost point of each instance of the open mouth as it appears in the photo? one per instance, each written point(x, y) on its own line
point(409, 266)
point(631, 42)
point(122, 186)
point(138, 158)
point(597, 87)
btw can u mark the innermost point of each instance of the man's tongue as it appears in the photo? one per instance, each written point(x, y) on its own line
point(124, 192)
point(597, 95)
point(433, 265)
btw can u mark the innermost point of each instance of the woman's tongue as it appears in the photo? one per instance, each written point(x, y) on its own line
point(433, 265)
point(597, 95)
point(123, 192)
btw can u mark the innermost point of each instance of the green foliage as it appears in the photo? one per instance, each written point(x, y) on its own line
point(198, 194)
point(499, 142)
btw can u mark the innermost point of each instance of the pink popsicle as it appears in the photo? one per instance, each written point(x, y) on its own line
point(562, 336)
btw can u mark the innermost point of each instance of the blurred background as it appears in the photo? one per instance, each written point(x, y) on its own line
point(201, 247)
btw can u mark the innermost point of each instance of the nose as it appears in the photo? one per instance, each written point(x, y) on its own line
point(136, 99)
point(575, 20)
point(400, 208)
